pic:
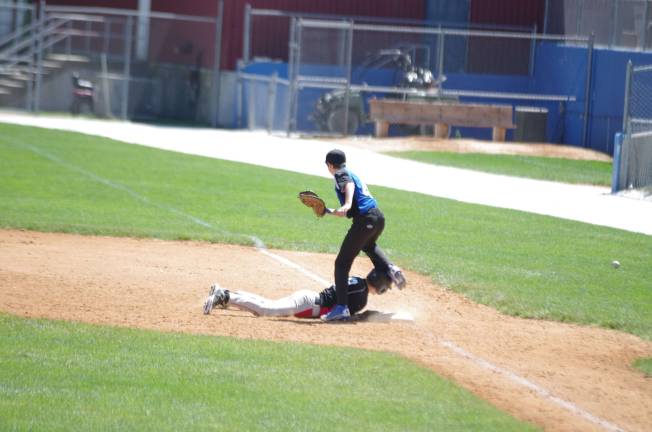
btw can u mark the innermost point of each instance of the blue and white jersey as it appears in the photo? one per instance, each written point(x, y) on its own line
point(363, 201)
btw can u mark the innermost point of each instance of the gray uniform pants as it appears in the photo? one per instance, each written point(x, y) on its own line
point(286, 306)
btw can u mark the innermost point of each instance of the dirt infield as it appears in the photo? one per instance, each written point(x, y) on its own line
point(554, 375)
point(475, 146)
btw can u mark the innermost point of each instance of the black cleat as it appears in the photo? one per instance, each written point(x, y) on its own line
point(216, 297)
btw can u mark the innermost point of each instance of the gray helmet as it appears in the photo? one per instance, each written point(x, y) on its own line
point(380, 280)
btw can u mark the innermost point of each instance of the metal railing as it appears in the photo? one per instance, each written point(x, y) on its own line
point(136, 69)
point(276, 26)
point(21, 46)
point(615, 24)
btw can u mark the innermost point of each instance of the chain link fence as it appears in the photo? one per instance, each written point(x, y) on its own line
point(114, 63)
point(261, 101)
point(615, 23)
point(336, 67)
point(633, 157)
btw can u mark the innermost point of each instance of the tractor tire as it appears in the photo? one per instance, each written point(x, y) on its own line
point(336, 121)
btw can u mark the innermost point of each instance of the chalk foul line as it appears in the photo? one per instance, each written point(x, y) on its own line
point(542, 392)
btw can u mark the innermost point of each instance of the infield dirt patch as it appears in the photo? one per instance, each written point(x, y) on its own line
point(475, 146)
point(161, 285)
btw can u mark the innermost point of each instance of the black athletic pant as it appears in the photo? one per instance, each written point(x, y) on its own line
point(362, 236)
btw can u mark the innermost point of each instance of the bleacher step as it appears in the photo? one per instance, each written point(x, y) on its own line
point(17, 76)
point(10, 83)
point(68, 58)
point(51, 64)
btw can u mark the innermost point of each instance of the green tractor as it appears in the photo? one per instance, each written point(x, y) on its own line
point(330, 113)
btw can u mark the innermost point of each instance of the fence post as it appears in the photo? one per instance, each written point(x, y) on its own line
point(441, 46)
point(246, 34)
point(39, 57)
point(87, 37)
point(69, 38)
point(621, 154)
point(106, 35)
point(614, 13)
point(294, 73)
point(215, 115)
point(533, 49)
point(105, 86)
point(251, 105)
point(587, 90)
point(143, 23)
point(239, 95)
point(271, 101)
point(291, 44)
point(628, 89)
point(615, 167)
point(645, 17)
point(580, 11)
point(127, 68)
point(349, 71)
point(32, 50)
point(18, 20)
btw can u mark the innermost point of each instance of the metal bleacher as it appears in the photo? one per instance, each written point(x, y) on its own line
point(25, 57)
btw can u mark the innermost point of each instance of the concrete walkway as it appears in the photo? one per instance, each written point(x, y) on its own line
point(589, 204)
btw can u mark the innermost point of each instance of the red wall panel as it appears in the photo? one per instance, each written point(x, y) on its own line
point(275, 38)
point(503, 56)
point(521, 13)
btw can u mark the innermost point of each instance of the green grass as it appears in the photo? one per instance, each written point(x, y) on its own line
point(541, 168)
point(65, 376)
point(522, 264)
point(645, 365)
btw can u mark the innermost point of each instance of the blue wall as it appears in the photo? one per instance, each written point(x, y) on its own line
point(448, 12)
point(607, 97)
point(558, 70)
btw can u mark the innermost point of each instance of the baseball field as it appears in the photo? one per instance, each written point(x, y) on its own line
point(107, 251)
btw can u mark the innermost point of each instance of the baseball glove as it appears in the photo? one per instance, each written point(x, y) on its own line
point(312, 200)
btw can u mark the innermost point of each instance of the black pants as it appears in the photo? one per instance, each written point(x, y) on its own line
point(362, 236)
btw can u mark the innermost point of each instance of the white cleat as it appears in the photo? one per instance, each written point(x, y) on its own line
point(210, 301)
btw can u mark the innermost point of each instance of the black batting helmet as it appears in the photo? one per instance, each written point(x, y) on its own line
point(380, 280)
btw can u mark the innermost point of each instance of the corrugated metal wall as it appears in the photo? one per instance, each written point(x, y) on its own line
point(497, 55)
point(273, 39)
point(520, 13)
point(270, 37)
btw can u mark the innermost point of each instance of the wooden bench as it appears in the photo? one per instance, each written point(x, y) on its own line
point(441, 114)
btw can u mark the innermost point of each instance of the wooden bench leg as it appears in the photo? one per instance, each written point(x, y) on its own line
point(382, 129)
point(441, 130)
point(498, 134)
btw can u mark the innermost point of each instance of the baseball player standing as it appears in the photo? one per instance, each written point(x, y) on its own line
point(358, 204)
